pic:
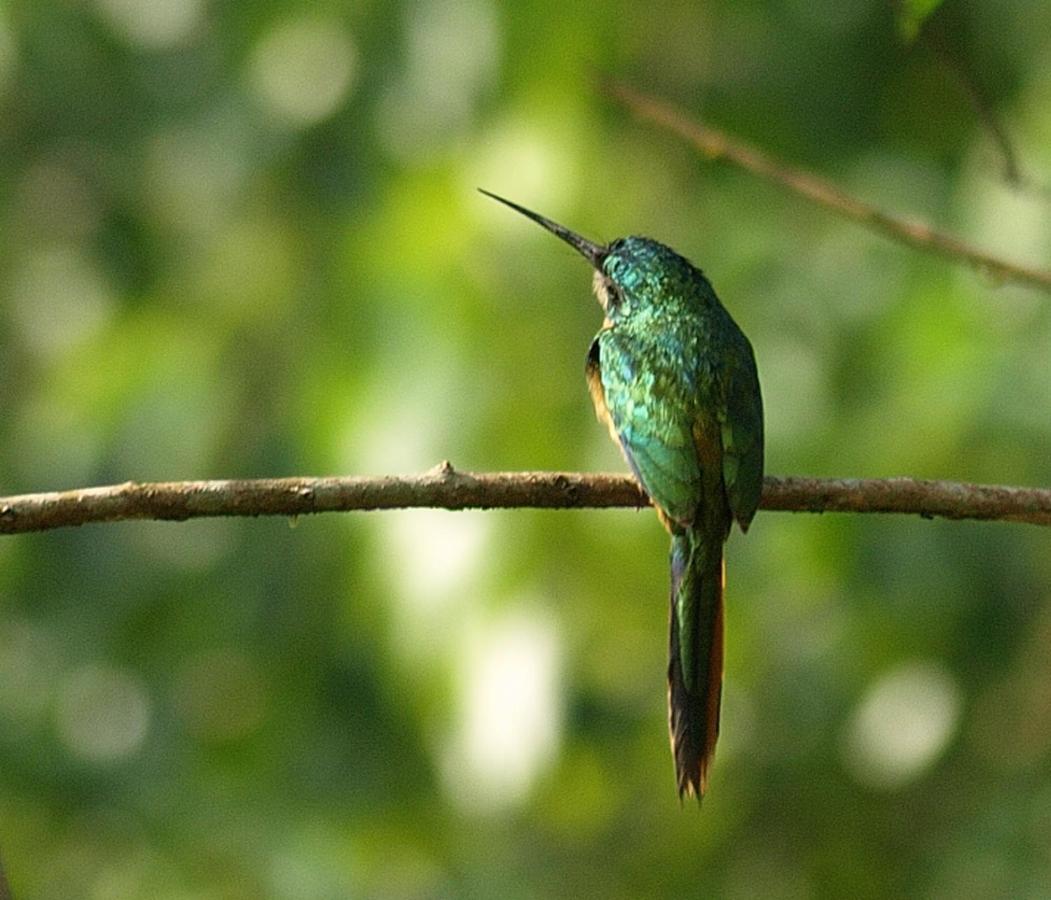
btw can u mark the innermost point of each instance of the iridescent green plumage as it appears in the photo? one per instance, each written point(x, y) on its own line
point(675, 380)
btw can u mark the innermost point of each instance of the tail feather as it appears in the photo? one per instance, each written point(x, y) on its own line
point(695, 664)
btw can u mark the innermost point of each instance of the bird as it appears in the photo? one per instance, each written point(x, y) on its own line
point(674, 379)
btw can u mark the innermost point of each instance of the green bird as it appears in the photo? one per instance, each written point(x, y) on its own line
point(674, 378)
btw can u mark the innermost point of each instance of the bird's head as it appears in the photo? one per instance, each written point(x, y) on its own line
point(631, 273)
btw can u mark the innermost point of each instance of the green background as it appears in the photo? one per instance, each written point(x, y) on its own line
point(243, 240)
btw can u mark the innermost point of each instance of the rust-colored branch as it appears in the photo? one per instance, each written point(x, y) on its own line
point(445, 488)
point(929, 499)
point(718, 145)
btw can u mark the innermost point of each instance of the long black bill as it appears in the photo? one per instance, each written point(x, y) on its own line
point(593, 253)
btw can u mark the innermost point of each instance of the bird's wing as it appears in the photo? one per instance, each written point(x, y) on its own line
point(741, 422)
point(653, 430)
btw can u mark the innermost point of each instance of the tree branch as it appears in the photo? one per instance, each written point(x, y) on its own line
point(445, 488)
point(980, 103)
point(717, 144)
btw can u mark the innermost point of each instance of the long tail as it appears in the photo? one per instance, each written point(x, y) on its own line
point(695, 664)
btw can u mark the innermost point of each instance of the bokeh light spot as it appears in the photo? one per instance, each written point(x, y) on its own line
point(302, 70)
point(527, 164)
point(902, 725)
point(59, 298)
point(510, 713)
point(103, 713)
point(445, 549)
point(453, 50)
point(192, 175)
point(152, 24)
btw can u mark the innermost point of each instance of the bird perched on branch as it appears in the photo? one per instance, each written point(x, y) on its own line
point(674, 379)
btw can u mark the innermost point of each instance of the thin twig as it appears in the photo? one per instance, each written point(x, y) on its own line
point(445, 488)
point(717, 144)
point(980, 103)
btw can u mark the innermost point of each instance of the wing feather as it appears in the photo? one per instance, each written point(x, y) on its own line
point(658, 444)
point(741, 426)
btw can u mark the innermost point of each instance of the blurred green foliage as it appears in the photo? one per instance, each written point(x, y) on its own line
point(243, 240)
point(913, 13)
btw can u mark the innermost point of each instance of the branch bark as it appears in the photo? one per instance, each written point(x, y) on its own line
point(717, 145)
point(445, 488)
